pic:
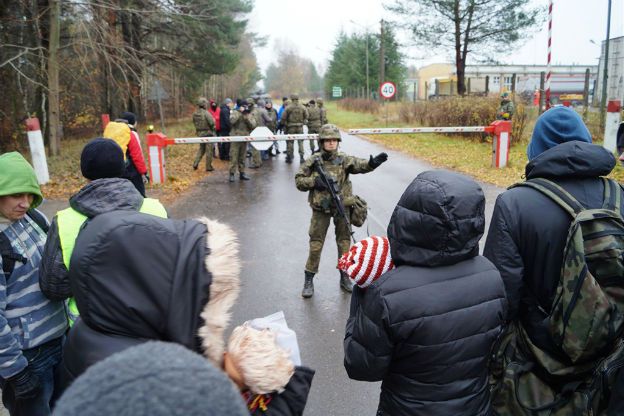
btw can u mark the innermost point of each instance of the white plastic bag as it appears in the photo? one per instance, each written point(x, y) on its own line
point(285, 337)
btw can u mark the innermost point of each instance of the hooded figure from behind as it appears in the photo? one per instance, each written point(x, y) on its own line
point(179, 288)
point(426, 328)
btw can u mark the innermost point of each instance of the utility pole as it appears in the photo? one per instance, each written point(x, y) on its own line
point(53, 78)
point(367, 80)
point(382, 58)
point(603, 98)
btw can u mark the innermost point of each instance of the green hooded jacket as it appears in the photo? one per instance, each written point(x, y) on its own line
point(18, 177)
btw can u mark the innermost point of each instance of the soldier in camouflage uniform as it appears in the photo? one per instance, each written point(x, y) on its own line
point(314, 121)
point(204, 127)
point(506, 110)
point(272, 123)
point(243, 123)
point(338, 166)
point(319, 104)
point(293, 119)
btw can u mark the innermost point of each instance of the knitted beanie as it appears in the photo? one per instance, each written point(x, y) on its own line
point(367, 260)
point(152, 379)
point(102, 158)
point(557, 125)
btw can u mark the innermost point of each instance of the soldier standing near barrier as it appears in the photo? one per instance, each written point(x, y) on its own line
point(293, 119)
point(507, 109)
point(243, 123)
point(272, 123)
point(323, 110)
point(204, 127)
point(314, 122)
point(338, 166)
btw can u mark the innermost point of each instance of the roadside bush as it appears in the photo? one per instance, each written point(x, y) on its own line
point(359, 105)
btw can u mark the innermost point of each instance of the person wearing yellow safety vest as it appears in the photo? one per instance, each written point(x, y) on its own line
point(102, 163)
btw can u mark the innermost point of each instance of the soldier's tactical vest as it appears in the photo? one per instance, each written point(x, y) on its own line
point(70, 222)
point(200, 121)
point(334, 167)
point(314, 117)
point(296, 115)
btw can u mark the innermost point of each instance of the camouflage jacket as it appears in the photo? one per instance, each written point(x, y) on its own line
point(294, 115)
point(323, 115)
point(337, 165)
point(272, 125)
point(506, 108)
point(204, 123)
point(314, 116)
point(242, 124)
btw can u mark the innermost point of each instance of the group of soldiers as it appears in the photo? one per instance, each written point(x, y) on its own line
point(251, 113)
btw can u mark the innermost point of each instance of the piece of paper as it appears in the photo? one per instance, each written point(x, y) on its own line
point(285, 337)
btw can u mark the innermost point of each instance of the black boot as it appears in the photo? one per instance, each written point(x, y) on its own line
point(231, 177)
point(288, 159)
point(345, 283)
point(301, 159)
point(308, 285)
point(244, 177)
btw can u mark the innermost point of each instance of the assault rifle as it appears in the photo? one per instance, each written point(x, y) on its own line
point(332, 187)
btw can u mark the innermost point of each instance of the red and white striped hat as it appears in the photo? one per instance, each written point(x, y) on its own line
point(367, 260)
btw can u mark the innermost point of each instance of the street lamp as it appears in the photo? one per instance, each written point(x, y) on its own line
point(603, 99)
point(367, 80)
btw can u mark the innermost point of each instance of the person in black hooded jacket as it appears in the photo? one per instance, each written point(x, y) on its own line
point(426, 328)
point(528, 230)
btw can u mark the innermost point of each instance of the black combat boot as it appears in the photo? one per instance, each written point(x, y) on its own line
point(345, 283)
point(231, 177)
point(288, 159)
point(301, 159)
point(244, 177)
point(308, 285)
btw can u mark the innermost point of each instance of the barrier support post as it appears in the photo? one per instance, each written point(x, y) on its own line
point(105, 120)
point(501, 129)
point(156, 143)
point(37, 150)
point(611, 126)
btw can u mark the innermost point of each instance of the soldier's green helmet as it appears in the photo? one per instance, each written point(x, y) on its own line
point(319, 100)
point(251, 101)
point(329, 131)
point(505, 95)
point(294, 97)
point(202, 101)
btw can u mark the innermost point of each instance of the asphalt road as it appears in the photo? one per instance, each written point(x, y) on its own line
point(271, 218)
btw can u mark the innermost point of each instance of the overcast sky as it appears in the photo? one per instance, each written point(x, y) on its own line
point(313, 26)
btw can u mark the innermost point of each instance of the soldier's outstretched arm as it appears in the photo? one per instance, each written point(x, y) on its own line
point(358, 165)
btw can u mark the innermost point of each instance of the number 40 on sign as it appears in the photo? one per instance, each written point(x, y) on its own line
point(387, 90)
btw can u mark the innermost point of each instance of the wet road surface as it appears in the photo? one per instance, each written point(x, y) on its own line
point(271, 218)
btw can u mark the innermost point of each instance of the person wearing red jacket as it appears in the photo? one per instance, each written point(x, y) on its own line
point(136, 170)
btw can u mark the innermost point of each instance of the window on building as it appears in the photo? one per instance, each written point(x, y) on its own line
point(507, 82)
point(496, 80)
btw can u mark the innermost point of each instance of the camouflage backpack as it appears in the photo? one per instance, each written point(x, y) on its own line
point(585, 320)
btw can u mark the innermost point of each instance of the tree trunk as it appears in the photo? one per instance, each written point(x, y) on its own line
point(53, 78)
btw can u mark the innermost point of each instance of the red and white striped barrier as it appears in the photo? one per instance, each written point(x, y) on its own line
point(37, 150)
point(500, 129)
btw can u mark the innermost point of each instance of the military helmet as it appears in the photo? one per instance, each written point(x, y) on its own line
point(251, 101)
point(319, 100)
point(294, 97)
point(329, 131)
point(202, 101)
point(505, 94)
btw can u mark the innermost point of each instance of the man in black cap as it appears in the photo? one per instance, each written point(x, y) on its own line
point(102, 163)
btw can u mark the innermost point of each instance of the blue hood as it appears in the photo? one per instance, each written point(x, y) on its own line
point(557, 125)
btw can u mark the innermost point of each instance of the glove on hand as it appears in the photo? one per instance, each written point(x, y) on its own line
point(319, 185)
point(26, 384)
point(375, 162)
point(145, 179)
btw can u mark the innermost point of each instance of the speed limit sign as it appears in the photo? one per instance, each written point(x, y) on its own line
point(387, 90)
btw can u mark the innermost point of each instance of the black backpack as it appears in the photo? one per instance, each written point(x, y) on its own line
point(9, 256)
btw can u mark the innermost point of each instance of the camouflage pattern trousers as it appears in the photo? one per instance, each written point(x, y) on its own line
point(318, 230)
point(290, 146)
point(238, 152)
point(204, 148)
point(314, 143)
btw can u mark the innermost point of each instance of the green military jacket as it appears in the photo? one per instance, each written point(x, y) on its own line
point(506, 111)
point(323, 115)
point(204, 123)
point(295, 115)
point(242, 124)
point(272, 125)
point(339, 166)
point(314, 117)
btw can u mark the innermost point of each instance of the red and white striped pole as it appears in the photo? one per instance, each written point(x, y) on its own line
point(37, 150)
point(548, 73)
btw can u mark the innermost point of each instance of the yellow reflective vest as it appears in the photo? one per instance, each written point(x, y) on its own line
point(70, 221)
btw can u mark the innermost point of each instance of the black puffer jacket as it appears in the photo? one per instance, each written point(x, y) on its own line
point(528, 231)
point(426, 328)
point(137, 277)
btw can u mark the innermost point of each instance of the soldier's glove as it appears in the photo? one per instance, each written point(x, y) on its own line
point(319, 185)
point(375, 162)
point(26, 384)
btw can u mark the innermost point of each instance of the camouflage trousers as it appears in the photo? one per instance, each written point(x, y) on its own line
point(256, 159)
point(204, 148)
point(314, 143)
point(318, 230)
point(238, 152)
point(290, 146)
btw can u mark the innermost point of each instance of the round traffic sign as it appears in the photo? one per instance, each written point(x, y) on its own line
point(387, 90)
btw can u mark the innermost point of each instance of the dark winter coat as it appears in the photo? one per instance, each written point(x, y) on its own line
point(224, 121)
point(137, 277)
point(292, 401)
point(528, 231)
point(426, 328)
